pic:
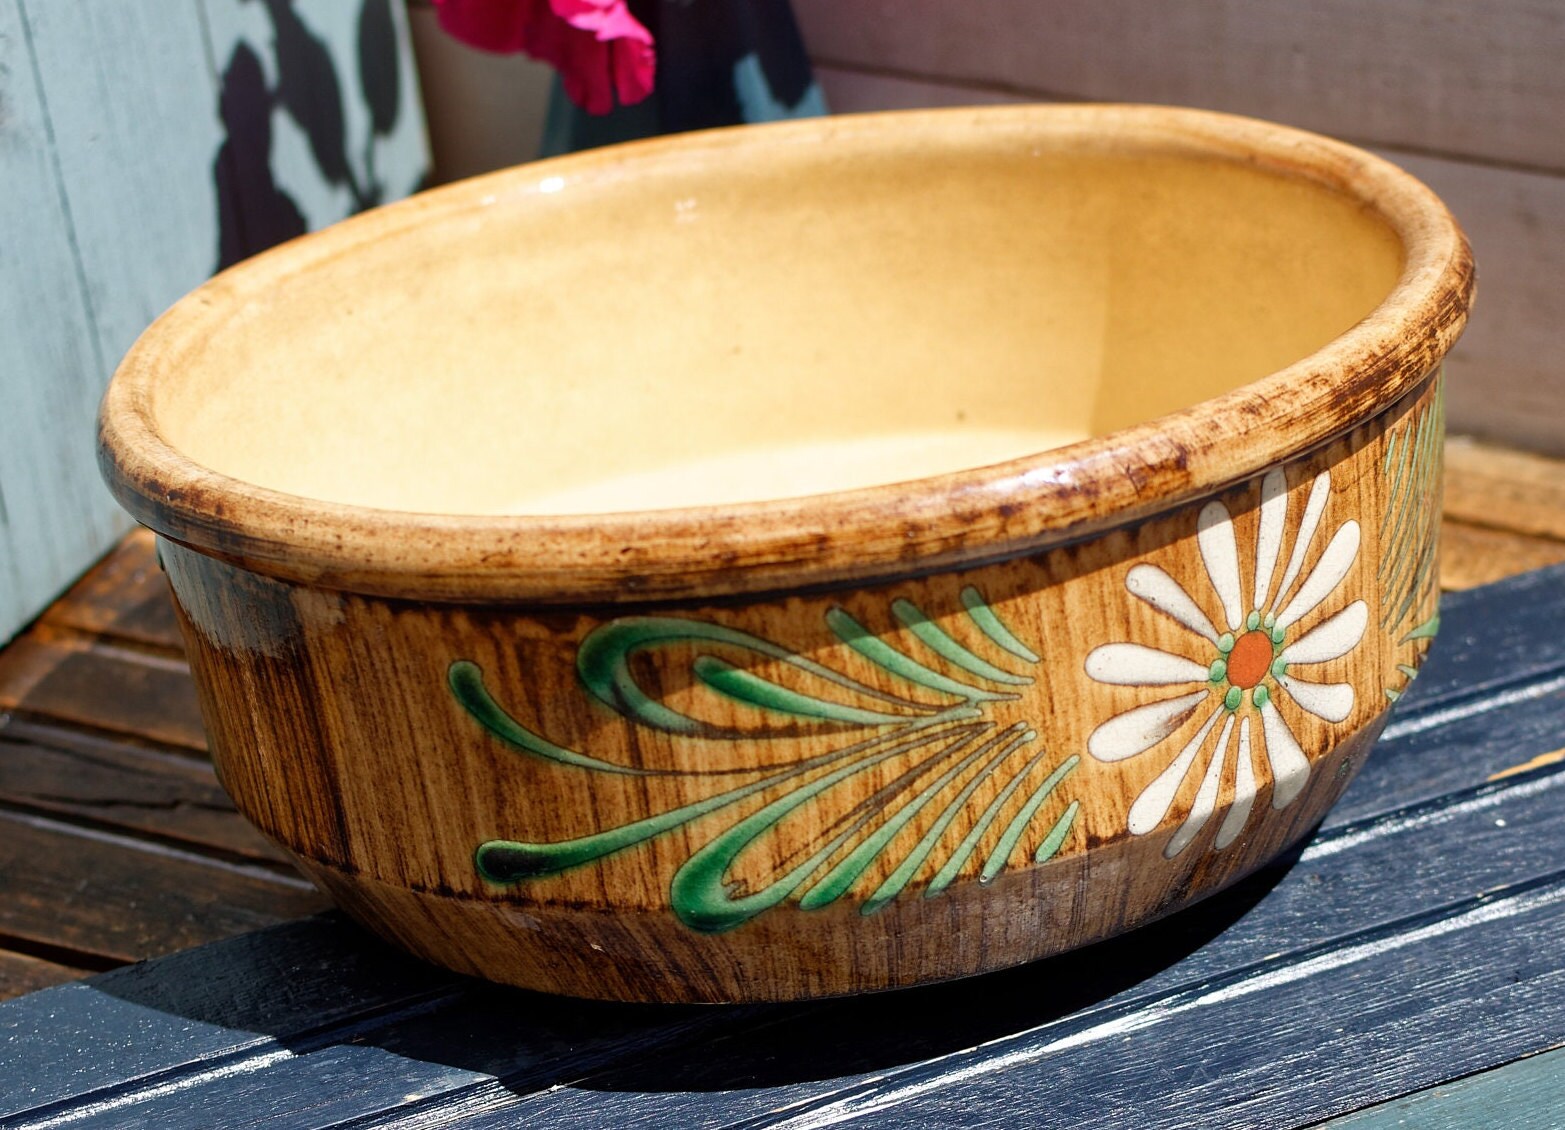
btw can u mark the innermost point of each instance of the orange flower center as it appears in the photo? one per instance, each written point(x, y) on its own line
point(1250, 659)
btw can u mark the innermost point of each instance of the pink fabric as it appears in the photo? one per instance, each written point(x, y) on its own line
point(602, 52)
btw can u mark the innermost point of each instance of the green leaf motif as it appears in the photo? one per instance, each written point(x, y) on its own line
point(1410, 527)
point(938, 735)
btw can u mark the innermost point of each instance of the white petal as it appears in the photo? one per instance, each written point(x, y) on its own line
point(1290, 768)
point(1268, 544)
point(1313, 509)
point(1330, 639)
point(1331, 701)
point(1132, 665)
point(1153, 803)
point(1215, 535)
point(1134, 731)
point(1164, 593)
point(1244, 792)
point(1329, 571)
point(1205, 798)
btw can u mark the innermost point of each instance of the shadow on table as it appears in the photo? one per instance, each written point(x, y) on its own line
point(321, 983)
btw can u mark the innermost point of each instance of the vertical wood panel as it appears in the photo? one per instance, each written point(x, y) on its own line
point(117, 155)
point(130, 96)
point(1507, 374)
point(1479, 78)
point(52, 521)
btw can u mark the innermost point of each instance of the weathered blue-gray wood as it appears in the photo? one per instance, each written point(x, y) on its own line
point(51, 363)
point(1408, 945)
point(1526, 1095)
point(137, 156)
point(1494, 684)
point(129, 95)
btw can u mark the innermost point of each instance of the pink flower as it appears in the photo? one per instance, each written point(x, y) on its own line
point(602, 52)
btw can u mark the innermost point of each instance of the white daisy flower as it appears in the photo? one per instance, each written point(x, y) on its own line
point(1249, 669)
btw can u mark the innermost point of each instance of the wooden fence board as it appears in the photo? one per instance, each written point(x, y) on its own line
point(1506, 380)
point(130, 97)
point(133, 168)
point(52, 522)
point(1473, 78)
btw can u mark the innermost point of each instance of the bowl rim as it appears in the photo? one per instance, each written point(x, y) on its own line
point(958, 519)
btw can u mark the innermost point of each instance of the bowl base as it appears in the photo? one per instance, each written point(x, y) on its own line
point(971, 928)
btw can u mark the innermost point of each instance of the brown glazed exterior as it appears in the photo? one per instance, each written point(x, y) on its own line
point(776, 750)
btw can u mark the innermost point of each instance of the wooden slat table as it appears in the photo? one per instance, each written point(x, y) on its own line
point(116, 842)
point(1405, 966)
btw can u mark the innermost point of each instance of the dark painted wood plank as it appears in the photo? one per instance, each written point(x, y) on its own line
point(105, 782)
point(300, 1007)
point(245, 1093)
point(1493, 688)
point(217, 1003)
point(123, 899)
point(1492, 638)
point(1363, 894)
point(1408, 1007)
point(458, 1048)
point(1526, 1095)
point(1423, 759)
point(90, 682)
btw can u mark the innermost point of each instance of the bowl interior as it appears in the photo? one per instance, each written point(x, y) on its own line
point(769, 318)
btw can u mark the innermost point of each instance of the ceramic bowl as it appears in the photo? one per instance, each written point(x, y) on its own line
point(812, 558)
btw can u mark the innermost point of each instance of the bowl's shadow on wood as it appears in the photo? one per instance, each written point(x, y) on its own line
point(828, 1039)
point(324, 982)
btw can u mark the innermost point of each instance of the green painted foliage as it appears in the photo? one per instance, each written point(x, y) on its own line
point(938, 733)
point(1410, 530)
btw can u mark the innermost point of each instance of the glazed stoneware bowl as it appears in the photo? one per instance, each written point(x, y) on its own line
point(813, 558)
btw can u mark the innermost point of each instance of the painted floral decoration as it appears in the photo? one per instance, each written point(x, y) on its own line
point(1243, 677)
point(603, 53)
